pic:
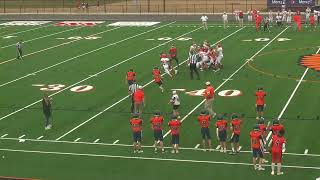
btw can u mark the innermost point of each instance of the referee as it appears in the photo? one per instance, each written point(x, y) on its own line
point(132, 89)
point(193, 59)
point(19, 50)
point(46, 107)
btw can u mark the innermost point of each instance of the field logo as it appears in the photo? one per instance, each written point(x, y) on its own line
point(224, 93)
point(24, 23)
point(170, 38)
point(80, 38)
point(133, 23)
point(266, 39)
point(78, 23)
point(230, 93)
point(311, 61)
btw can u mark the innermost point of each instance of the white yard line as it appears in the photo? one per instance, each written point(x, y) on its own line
point(101, 112)
point(52, 47)
point(40, 137)
point(4, 27)
point(4, 135)
point(226, 80)
point(130, 145)
point(76, 140)
point(116, 141)
point(21, 136)
point(306, 151)
point(95, 141)
point(218, 147)
point(149, 158)
point(291, 96)
point(26, 30)
point(41, 37)
point(197, 146)
point(89, 52)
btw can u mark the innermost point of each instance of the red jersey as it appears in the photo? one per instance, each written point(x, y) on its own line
point(312, 20)
point(259, 19)
point(262, 128)
point(138, 96)
point(277, 144)
point(222, 125)
point(136, 124)
point(204, 121)
point(276, 128)
point(209, 92)
point(240, 14)
point(157, 123)
point(174, 127)
point(173, 52)
point(255, 137)
point(163, 55)
point(260, 97)
point(156, 75)
point(236, 123)
point(130, 75)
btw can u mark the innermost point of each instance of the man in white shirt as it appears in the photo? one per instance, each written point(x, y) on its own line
point(225, 20)
point(175, 101)
point(236, 14)
point(279, 19)
point(204, 20)
point(308, 11)
point(289, 17)
point(250, 16)
point(219, 52)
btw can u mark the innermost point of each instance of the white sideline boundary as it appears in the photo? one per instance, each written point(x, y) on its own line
point(27, 30)
point(226, 80)
point(119, 101)
point(52, 47)
point(41, 37)
point(86, 53)
point(150, 158)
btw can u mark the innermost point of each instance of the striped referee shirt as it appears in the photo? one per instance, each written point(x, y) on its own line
point(133, 88)
point(194, 58)
point(19, 45)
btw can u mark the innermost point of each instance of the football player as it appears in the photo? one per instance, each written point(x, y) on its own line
point(157, 127)
point(157, 77)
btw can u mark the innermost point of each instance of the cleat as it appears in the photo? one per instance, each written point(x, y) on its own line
point(172, 151)
point(140, 151)
point(272, 173)
point(261, 169)
point(280, 173)
point(177, 151)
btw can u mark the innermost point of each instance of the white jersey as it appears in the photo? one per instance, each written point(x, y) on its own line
point(219, 51)
point(289, 17)
point(165, 61)
point(175, 100)
point(278, 18)
point(225, 17)
point(204, 18)
point(270, 16)
point(236, 15)
point(284, 15)
point(249, 15)
point(308, 11)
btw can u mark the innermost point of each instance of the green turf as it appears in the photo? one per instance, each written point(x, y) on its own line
point(275, 68)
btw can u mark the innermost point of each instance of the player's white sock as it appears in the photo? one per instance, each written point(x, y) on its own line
point(272, 168)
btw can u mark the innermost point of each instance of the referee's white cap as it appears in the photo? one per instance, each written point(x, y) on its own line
point(207, 83)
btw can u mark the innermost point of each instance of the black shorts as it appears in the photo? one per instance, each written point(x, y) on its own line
point(175, 107)
point(175, 139)
point(235, 138)
point(222, 136)
point(137, 136)
point(260, 108)
point(158, 135)
point(205, 133)
point(159, 83)
point(130, 82)
point(257, 153)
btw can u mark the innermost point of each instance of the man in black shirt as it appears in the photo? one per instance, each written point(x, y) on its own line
point(46, 107)
point(193, 60)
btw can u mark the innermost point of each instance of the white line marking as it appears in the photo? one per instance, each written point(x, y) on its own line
point(26, 30)
point(76, 140)
point(239, 148)
point(4, 135)
point(130, 145)
point(89, 52)
point(116, 141)
point(95, 141)
point(306, 151)
point(225, 81)
point(218, 147)
point(101, 112)
point(150, 158)
point(197, 146)
point(301, 81)
point(40, 137)
point(22, 136)
point(269, 135)
point(41, 37)
point(124, 98)
point(52, 47)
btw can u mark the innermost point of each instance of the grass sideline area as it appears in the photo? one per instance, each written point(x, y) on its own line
point(91, 136)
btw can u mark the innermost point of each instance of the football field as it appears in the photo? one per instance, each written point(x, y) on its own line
point(83, 69)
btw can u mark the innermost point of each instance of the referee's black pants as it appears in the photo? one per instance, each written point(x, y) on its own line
point(19, 53)
point(132, 104)
point(193, 68)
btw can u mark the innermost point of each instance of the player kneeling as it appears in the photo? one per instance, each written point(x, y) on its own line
point(278, 143)
point(157, 126)
point(136, 127)
point(175, 125)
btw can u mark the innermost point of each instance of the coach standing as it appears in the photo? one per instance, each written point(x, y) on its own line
point(19, 50)
point(46, 107)
point(193, 59)
point(132, 89)
point(209, 97)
